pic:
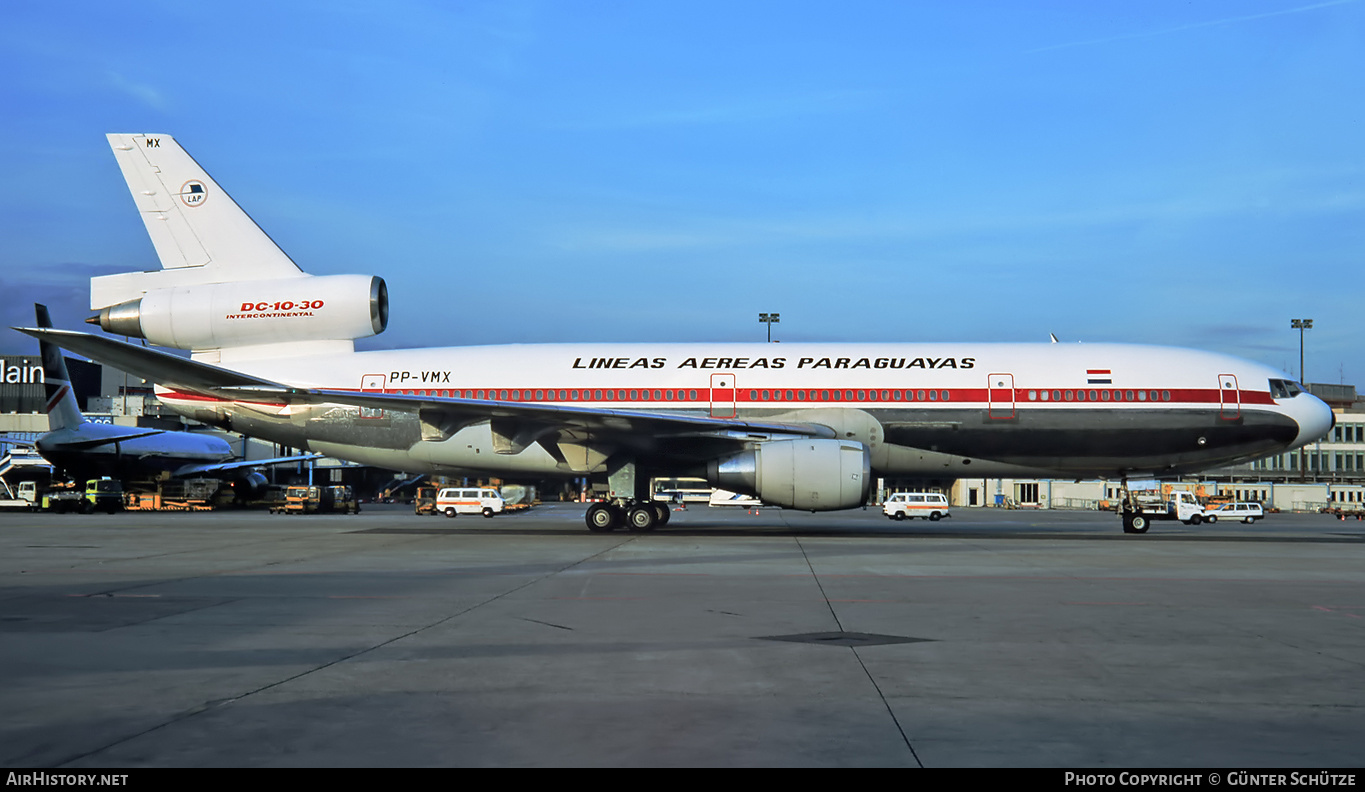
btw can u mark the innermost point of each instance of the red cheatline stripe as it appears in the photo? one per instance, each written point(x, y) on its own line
point(945, 397)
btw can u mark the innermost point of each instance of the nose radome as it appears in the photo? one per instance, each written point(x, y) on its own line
point(1314, 416)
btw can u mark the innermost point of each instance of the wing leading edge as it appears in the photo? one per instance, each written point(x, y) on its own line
point(515, 425)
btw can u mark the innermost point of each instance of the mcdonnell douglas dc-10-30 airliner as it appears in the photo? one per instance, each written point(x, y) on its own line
point(803, 426)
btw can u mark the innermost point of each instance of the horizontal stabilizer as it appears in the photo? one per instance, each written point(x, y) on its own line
point(160, 367)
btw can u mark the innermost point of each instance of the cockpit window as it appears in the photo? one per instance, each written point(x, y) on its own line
point(1284, 389)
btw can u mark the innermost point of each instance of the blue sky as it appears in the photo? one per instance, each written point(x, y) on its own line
point(1185, 173)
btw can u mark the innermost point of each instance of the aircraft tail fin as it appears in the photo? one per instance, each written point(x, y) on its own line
point(200, 234)
point(62, 410)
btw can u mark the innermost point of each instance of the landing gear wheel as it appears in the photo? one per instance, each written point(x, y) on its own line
point(601, 518)
point(642, 518)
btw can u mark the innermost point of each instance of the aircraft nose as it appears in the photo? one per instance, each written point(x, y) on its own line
point(1314, 417)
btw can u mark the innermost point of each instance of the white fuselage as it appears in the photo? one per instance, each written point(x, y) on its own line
point(923, 409)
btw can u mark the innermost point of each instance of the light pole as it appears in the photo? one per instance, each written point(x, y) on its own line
point(1301, 325)
point(769, 319)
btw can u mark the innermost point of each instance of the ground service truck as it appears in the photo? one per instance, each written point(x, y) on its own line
point(1141, 507)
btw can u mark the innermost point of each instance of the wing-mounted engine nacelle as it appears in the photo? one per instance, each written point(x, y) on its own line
point(251, 485)
point(816, 475)
point(247, 313)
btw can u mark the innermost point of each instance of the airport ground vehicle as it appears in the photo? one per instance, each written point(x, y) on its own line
point(173, 495)
point(931, 506)
point(1246, 512)
point(425, 501)
point(9, 500)
point(58, 497)
point(305, 499)
point(1141, 507)
point(102, 494)
point(694, 495)
point(451, 501)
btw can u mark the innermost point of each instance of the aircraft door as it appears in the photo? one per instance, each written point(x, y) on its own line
point(722, 396)
point(1229, 397)
point(1000, 395)
point(372, 383)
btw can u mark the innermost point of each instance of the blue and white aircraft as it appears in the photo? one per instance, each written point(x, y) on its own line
point(86, 449)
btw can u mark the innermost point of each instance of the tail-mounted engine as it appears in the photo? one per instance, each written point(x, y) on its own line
point(817, 475)
point(247, 313)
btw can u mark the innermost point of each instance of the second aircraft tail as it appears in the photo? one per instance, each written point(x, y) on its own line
point(62, 410)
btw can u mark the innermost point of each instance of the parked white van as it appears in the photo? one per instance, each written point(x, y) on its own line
point(1246, 512)
point(451, 501)
point(929, 505)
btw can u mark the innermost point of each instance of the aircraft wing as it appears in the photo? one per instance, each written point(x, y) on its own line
point(153, 364)
point(95, 442)
point(515, 425)
point(223, 467)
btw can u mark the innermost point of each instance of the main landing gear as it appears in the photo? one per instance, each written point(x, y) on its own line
point(630, 503)
point(629, 513)
point(1134, 521)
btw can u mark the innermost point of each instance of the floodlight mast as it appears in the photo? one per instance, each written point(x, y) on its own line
point(1302, 325)
point(769, 319)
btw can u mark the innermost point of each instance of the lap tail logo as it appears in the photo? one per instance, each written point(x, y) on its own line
point(193, 193)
